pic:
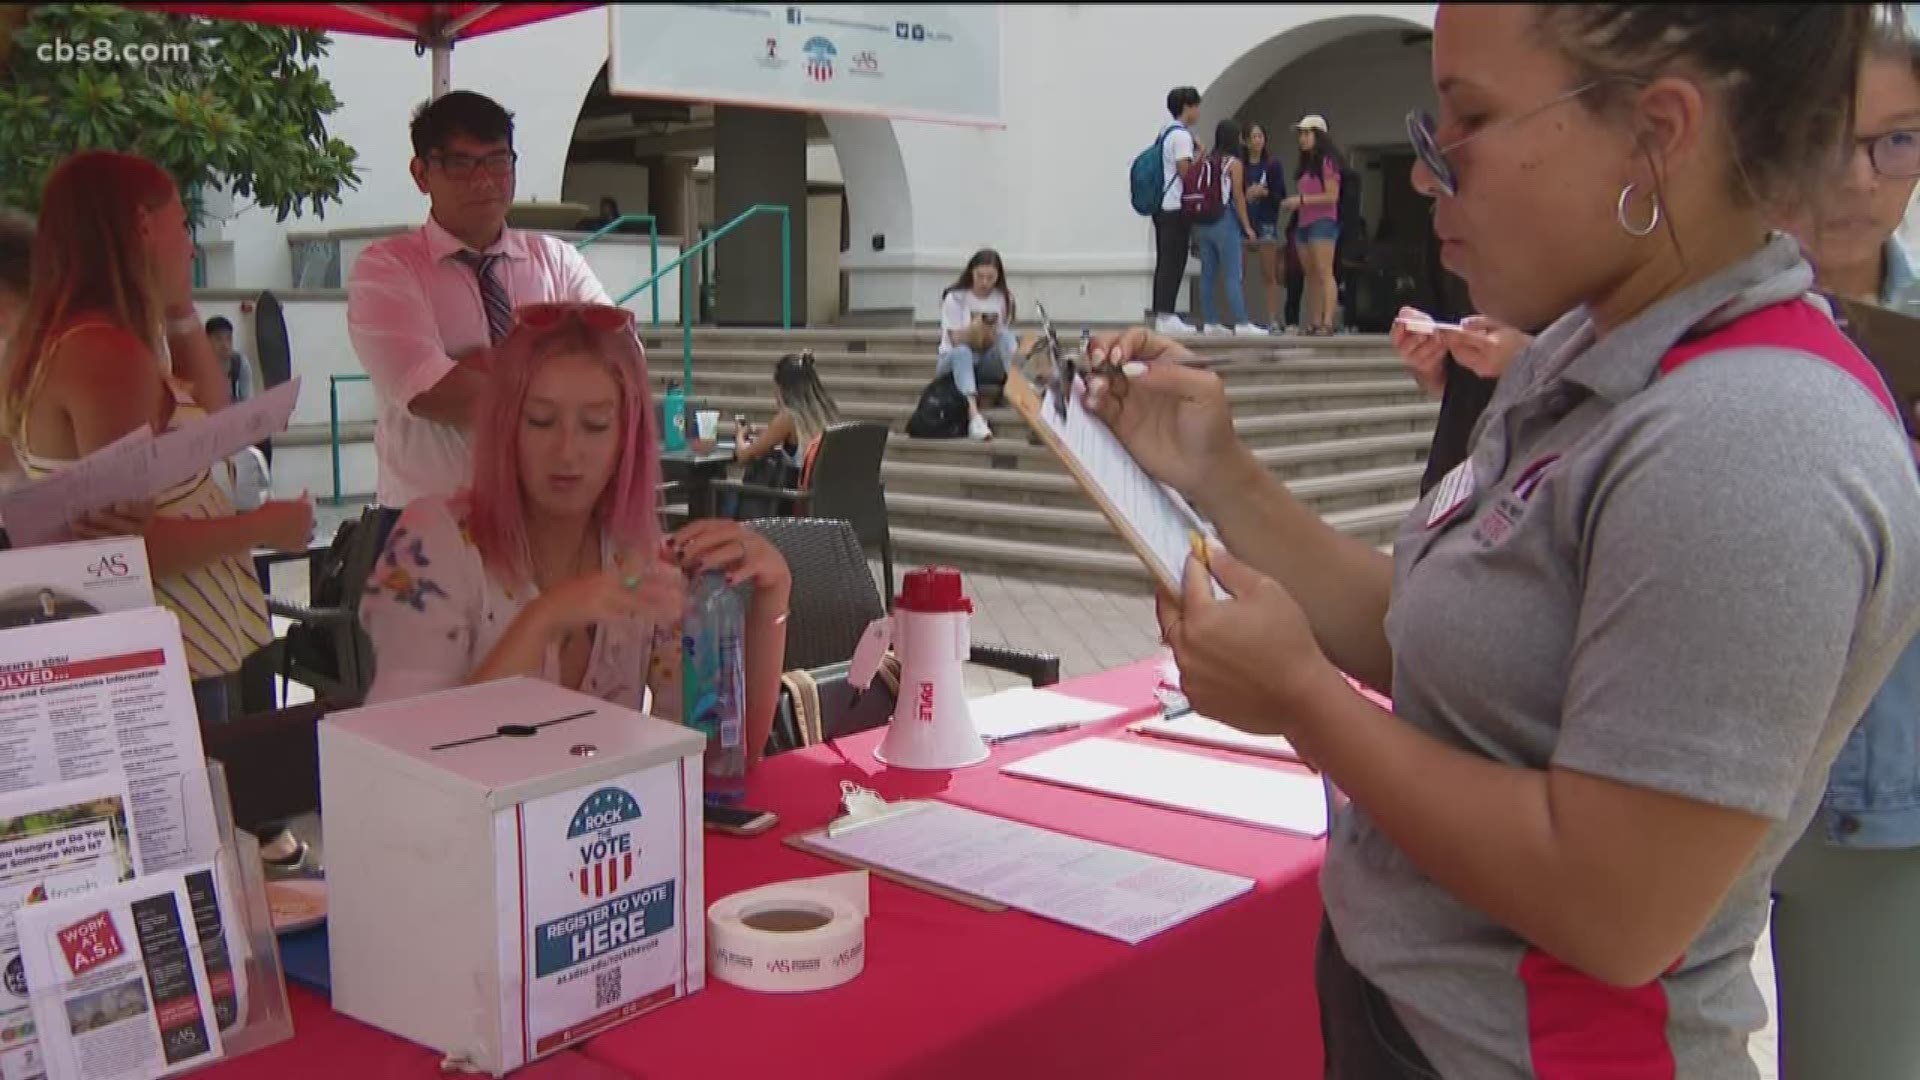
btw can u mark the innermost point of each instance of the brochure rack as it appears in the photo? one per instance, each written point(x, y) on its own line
point(155, 1011)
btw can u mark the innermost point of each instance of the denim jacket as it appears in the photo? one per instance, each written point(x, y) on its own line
point(1873, 790)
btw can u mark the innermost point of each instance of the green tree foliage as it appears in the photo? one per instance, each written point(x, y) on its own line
point(245, 106)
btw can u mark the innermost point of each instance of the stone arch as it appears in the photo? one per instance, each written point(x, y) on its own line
point(879, 199)
point(1237, 82)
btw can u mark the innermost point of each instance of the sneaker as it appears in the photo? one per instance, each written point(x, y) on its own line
point(1216, 330)
point(1247, 329)
point(977, 428)
point(1173, 324)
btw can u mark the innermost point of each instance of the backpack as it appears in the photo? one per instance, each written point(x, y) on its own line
point(774, 469)
point(1144, 178)
point(1348, 210)
point(1201, 198)
point(941, 412)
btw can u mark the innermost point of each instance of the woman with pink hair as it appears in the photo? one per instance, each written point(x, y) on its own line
point(551, 564)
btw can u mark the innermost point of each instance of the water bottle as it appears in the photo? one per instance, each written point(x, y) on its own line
point(714, 683)
point(673, 417)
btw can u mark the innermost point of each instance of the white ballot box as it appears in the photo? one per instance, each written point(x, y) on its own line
point(511, 867)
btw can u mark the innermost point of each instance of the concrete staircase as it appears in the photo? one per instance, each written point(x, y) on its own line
point(1337, 419)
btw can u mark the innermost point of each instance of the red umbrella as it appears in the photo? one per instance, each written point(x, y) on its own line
point(434, 26)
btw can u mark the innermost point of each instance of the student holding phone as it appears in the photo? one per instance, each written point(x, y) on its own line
point(976, 333)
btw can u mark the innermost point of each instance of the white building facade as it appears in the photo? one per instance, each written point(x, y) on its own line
point(1084, 89)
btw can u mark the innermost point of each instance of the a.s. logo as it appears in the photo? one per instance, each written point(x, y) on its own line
point(1498, 523)
point(109, 566)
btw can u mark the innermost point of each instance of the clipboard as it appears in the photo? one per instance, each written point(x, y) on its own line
point(1891, 340)
point(1157, 511)
point(803, 841)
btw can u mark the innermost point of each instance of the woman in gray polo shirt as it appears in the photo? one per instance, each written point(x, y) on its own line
point(1625, 638)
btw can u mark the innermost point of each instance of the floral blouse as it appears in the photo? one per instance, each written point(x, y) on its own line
point(433, 613)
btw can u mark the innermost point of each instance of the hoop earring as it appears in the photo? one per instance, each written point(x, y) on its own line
point(1620, 214)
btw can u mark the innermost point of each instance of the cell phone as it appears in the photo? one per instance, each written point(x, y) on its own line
point(990, 316)
point(739, 820)
point(1426, 326)
point(740, 419)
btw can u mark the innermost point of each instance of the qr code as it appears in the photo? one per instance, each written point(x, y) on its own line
point(606, 988)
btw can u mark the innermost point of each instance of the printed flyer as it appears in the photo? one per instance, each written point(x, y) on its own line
point(120, 986)
point(71, 581)
point(56, 842)
point(606, 931)
point(85, 697)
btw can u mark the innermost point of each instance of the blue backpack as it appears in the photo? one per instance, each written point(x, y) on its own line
point(1145, 176)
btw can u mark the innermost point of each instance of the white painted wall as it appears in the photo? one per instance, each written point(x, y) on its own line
point(1047, 190)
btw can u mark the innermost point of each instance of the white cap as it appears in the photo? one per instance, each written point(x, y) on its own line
point(1311, 122)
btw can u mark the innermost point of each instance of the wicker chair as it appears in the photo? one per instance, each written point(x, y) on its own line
point(845, 484)
point(833, 601)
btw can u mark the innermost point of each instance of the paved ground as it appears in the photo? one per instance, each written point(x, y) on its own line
point(1091, 630)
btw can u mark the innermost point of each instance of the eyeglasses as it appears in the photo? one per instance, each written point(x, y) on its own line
point(461, 166)
point(1895, 154)
point(1420, 130)
point(546, 316)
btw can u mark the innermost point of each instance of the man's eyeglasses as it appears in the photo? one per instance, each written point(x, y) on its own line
point(1896, 154)
point(546, 316)
point(1420, 130)
point(462, 166)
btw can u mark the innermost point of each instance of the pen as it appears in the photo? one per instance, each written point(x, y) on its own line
point(1200, 551)
point(1054, 730)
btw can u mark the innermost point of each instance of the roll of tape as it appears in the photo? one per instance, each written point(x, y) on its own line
point(790, 937)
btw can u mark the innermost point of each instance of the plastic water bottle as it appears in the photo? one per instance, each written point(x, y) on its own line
point(714, 683)
point(673, 410)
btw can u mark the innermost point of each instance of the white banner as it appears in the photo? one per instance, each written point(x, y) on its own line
point(907, 61)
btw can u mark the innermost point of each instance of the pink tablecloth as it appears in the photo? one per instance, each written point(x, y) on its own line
point(327, 1045)
point(950, 991)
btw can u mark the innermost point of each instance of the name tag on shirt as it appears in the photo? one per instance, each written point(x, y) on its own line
point(1454, 490)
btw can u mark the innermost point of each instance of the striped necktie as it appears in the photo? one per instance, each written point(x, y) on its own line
point(493, 295)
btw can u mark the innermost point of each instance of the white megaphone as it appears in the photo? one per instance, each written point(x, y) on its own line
point(931, 728)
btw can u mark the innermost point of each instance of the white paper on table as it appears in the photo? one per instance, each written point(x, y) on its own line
point(86, 696)
point(1291, 801)
point(140, 465)
point(1206, 731)
point(120, 984)
point(1026, 710)
point(1112, 891)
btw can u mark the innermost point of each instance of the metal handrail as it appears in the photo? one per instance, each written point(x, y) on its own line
point(333, 421)
point(653, 248)
point(686, 309)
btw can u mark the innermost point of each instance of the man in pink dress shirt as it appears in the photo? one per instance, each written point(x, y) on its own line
point(425, 308)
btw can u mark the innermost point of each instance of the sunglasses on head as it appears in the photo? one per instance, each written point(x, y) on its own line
point(546, 316)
